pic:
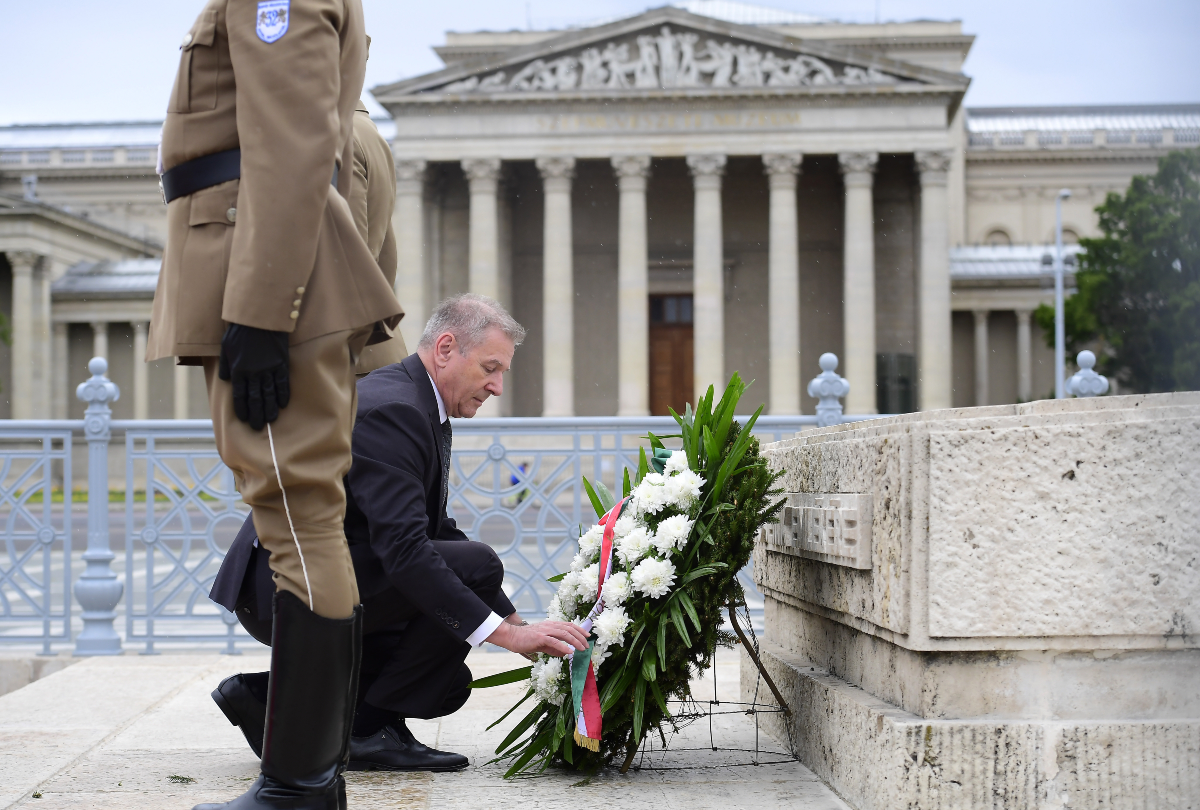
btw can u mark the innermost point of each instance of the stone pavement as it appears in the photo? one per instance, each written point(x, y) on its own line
point(141, 732)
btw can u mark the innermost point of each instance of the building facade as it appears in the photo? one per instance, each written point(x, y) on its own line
point(665, 199)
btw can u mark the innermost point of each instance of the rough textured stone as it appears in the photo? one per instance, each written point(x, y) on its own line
point(1026, 635)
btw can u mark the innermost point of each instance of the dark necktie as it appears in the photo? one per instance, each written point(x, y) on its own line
point(447, 440)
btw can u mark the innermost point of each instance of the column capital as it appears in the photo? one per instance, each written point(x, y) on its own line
point(556, 166)
point(482, 171)
point(782, 163)
point(411, 169)
point(627, 166)
point(22, 261)
point(706, 168)
point(981, 315)
point(933, 166)
point(99, 326)
point(1023, 315)
point(858, 168)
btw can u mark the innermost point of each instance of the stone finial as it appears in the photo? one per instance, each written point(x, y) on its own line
point(1086, 382)
point(99, 389)
point(828, 388)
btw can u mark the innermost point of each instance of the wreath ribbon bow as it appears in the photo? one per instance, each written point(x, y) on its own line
point(585, 695)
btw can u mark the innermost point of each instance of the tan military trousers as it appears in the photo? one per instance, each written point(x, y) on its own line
point(312, 448)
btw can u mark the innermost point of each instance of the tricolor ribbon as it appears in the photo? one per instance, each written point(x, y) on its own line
point(585, 696)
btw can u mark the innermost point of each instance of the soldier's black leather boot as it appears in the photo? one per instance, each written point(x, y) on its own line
point(242, 699)
point(310, 709)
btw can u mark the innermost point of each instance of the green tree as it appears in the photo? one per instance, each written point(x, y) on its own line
point(1139, 283)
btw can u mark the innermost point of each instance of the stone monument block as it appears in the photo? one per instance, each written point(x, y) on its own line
point(992, 607)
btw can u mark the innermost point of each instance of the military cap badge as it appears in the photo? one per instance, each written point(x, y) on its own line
point(272, 20)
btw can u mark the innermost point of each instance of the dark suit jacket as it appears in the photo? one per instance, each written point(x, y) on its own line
point(393, 504)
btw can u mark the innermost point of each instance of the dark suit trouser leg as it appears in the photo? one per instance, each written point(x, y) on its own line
point(419, 671)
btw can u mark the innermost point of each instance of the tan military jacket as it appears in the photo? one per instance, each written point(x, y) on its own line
point(277, 249)
point(372, 201)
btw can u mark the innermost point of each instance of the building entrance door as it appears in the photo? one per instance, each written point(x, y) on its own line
point(670, 353)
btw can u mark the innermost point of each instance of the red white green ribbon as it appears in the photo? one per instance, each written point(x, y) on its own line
point(585, 695)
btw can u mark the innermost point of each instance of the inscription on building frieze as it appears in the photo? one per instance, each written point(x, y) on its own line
point(668, 60)
point(833, 528)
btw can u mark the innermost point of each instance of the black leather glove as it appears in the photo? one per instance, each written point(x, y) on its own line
point(256, 361)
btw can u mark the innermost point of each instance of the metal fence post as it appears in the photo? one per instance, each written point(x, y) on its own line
point(828, 388)
point(98, 590)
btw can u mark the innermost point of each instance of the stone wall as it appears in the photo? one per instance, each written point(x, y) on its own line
point(1028, 604)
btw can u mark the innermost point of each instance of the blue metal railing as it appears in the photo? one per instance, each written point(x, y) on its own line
point(515, 484)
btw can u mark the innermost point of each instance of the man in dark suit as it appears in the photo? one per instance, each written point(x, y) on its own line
point(428, 593)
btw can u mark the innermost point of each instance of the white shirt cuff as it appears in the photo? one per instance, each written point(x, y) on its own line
point(484, 630)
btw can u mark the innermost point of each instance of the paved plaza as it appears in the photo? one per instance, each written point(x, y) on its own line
point(141, 732)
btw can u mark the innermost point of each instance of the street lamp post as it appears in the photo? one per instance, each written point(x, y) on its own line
point(1060, 366)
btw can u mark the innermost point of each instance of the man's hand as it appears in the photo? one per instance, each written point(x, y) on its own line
point(553, 638)
point(256, 361)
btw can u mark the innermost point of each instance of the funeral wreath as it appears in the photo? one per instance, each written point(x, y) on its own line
point(650, 583)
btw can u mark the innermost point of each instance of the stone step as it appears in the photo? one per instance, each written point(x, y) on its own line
point(134, 732)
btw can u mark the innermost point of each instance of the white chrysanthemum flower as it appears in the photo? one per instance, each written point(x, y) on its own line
point(555, 611)
point(634, 546)
point(624, 525)
point(599, 656)
point(672, 534)
point(650, 495)
point(616, 590)
point(547, 680)
point(589, 541)
point(588, 582)
point(568, 585)
point(654, 577)
point(683, 489)
point(610, 626)
point(582, 561)
point(677, 463)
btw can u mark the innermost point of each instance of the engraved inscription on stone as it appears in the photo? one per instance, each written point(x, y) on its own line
point(831, 528)
point(666, 61)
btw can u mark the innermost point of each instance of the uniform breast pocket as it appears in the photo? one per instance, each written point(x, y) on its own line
point(196, 82)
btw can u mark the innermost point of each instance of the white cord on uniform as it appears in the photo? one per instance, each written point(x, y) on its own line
point(288, 512)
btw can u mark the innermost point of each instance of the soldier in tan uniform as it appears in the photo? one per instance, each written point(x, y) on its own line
point(373, 200)
point(268, 284)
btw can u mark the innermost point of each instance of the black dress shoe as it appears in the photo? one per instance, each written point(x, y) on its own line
point(238, 703)
point(394, 748)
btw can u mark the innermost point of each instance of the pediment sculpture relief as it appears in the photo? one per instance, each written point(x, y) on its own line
point(665, 61)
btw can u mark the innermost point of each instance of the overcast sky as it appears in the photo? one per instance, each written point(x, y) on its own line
point(71, 60)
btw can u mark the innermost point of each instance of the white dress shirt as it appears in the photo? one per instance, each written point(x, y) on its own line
point(492, 621)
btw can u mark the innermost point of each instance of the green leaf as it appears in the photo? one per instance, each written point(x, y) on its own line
point(643, 465)
point(649, 671)
point(662, 639)
point(606, 498)
point(680, 627)
point(639, 707)
point(557, 577)
point(503, 717)
point(615, 689)
point(536, 746)
point(626, 486)
point(523, 726)
point(568, 748)
point(689, 608)
point(658, 698)
point(560, 725)
point(594, 498)
point(500, 679)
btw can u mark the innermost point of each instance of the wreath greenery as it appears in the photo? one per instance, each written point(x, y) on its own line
point(661, 638)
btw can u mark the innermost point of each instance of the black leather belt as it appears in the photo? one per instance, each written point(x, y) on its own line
point(205, 171)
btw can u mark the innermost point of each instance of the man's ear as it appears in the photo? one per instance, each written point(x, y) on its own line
point(444, 346)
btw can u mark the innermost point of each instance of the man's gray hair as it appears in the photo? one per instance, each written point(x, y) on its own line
point(469, 317)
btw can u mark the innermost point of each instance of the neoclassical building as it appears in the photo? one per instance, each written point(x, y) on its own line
point(661, 199)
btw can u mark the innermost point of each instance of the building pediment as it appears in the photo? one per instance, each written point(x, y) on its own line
point(665, 49)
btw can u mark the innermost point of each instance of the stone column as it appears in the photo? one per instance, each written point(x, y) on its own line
point(42, 344)
point(858, 279)
point(1024, 357)
point(22, 264)
point(558, 288)
point(411, 288)
point(933, 352)
point(141, 372)
point(981, 356)
point(633, 288)
point(100, 339)
point(181, 391)
point(708, 274)
point(483, 175)
point(61, 370)
point(783, 291)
